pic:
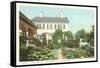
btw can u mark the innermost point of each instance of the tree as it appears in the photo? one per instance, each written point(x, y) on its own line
point(68, 34)
point(89, 50)
point(87, 37)
point(22, 38)
point(71, 42)
point(80, 34)
point(90, 36)
point(57, 35)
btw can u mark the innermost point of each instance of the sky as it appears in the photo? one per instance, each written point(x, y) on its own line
point(78, 18)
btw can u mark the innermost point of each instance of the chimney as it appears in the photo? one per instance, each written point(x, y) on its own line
point(61, 14)
point(41, 14)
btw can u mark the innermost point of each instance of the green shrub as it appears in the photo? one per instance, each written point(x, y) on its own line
point(72, 55)
point(89, 49)
point(22, 38)
point(78, 53)
point(35, 54)
point(82, 53)
point(42, 54)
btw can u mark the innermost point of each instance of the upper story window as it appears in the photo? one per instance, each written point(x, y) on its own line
point(55, 26)
point(64, 26)
point(43, 26)
point(51, 26)
point(39, 26)
point(60, 26)
point(47, 26)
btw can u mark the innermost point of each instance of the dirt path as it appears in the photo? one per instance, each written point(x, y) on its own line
point(60, 56)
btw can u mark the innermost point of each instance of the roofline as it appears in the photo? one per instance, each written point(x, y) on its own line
point(46, 21)
point(22, 16)
point(49, 21)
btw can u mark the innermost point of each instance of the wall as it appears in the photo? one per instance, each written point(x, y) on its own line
point(24, 26)
point(49, 30)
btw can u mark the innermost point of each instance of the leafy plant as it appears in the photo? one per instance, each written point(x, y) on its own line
point(35, 54)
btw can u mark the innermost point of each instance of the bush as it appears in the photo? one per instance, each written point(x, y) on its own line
point(36, 42)
point(82, 53)
point(89, 49)
point(41, 55)
point(35, 54)
point(72, 55)
point(78, 53)
point(22, 38)
point(24, 52)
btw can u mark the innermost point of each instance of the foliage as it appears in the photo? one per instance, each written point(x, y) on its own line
point(36, 42)
point(51, 45)
point(41, 55)
point(71, 55)
point(82, 53)
point(76, 43)
point(22, 38)
point(23, 53)
point(90, 37)
point(68, 34)
point(44, 51)
point(78, 53)
point(44, 42)
point(89, 49)
point(35, 54)
point(80, 34)
point(57, 35)
point(69, 42)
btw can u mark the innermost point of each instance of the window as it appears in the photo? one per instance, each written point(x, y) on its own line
point(55, 26)
point(39, 26)
point(29, 32)
point(64, 26)
point(47, 26)
point(60, 26)
point(43, 26)
point(51, 26)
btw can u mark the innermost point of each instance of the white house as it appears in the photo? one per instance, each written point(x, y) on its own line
point(83, 43)
point(48, 25)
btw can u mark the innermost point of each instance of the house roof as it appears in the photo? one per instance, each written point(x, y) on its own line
point(50, 19)
point(22, 16)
